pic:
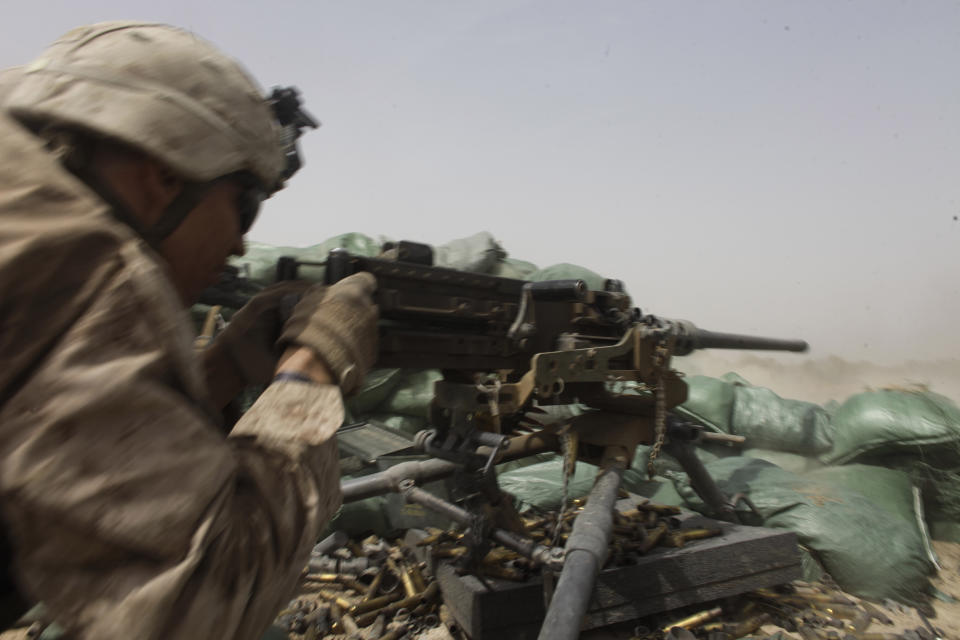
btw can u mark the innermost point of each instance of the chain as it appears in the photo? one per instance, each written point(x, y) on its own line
point(660, 355)
point(568, 450)
point(491, 389)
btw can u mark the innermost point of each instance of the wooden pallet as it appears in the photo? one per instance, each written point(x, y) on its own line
point(742, 559)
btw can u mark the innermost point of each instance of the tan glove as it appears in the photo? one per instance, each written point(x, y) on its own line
point(250, 339)
point(339, 323)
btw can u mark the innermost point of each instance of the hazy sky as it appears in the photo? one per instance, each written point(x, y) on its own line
point(785, 168)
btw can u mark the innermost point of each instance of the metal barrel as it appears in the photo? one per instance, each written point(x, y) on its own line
point(716, 340)
point(690, 338)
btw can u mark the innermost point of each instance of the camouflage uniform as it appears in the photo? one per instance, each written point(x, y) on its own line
point(130, 513)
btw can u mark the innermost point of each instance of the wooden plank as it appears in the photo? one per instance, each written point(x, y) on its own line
point(742, 559)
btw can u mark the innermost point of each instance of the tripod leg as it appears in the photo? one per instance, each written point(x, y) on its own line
point(585, 552)
point(701, 481)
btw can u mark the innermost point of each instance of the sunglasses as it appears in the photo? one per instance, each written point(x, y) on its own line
point(250, 198)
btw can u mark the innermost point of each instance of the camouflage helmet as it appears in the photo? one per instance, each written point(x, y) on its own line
point(158, 89)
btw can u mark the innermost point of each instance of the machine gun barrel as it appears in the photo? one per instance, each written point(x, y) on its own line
point(720, 340)
point(690, 338)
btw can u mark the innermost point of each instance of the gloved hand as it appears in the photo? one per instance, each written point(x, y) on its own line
point(339, 323)
point(250, 339)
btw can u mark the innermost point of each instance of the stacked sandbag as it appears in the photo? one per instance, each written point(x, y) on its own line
point(869, 544)
point(767, 421)
point(914, 430)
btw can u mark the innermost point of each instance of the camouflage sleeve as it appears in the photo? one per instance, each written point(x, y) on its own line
point(131, 514)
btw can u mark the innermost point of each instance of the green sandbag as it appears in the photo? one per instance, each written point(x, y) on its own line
point(513, 268)
point(635, 478)
point(915, 431)
point(520, 463)
point(565, 271)
point(259, 263)
point(869, 551)
point(407, 426)
point(710, 400)
point(541, 485)
point(478, 253)
point(771, 422)
point(897, 422)
point(377, 386)
point(732, 405)
point(413, 394)
point(360, 517)
point(889, 489)
point(792, 462)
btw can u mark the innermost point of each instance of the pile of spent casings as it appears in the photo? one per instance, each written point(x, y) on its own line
point(370, 588)
point(365, 589)
point(812, 611)
point(636, 531)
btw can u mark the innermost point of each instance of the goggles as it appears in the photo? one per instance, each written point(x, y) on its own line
point(249, 199)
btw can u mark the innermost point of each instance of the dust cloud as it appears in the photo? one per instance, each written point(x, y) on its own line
point(830, 378)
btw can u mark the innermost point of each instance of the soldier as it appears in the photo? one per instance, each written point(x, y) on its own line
point(133, 158)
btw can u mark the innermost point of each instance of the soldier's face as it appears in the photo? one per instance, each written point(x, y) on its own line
point(198, 249)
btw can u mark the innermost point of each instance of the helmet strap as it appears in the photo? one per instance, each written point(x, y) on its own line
point(74, 155)
point(118, 208)
point(173, 216)
point(190, 194)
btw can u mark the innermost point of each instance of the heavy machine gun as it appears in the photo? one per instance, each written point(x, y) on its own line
point(506, 347)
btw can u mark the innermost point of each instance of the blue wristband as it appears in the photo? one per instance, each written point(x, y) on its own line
point(294, 376)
